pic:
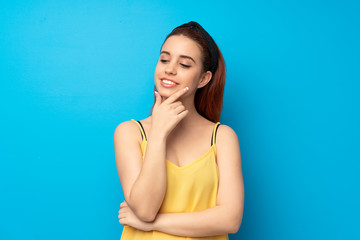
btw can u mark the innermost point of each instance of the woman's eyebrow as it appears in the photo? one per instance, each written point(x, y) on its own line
point(183, 56)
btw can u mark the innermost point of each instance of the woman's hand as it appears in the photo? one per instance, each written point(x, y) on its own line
point(128, 218)
point(168, 113)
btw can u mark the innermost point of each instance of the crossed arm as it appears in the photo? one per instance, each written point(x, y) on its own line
point(209, 222)
point(224, 218)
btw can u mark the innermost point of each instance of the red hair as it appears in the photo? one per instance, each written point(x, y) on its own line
point(208, 99)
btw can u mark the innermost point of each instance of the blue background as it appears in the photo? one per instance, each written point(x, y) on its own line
point(71, 71)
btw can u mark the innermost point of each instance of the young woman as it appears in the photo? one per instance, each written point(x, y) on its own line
point(181, 176)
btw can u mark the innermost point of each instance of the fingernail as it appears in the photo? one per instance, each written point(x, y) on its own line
point(187, 88)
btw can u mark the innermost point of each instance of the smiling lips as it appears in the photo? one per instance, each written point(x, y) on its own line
point(168, 83)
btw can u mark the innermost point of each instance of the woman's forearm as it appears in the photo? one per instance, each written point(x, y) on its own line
point(149, 189)
point(209, 222)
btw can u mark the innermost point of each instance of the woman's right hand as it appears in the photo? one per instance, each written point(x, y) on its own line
point(167, 114)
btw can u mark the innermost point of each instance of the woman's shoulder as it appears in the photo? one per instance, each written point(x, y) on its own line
point(125, 126)
point(226, 128)
point(130, 124)
point(129, 129)
point(226, 134)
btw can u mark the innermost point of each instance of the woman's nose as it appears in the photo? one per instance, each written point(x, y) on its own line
point(170, 68)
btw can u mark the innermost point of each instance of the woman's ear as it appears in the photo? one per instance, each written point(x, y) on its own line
point(205, 78)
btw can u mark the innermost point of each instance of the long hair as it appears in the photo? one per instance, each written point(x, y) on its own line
point(208, 99)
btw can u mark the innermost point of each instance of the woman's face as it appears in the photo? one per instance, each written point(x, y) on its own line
point(179, 62)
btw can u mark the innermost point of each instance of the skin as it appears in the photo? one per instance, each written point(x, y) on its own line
point(193, 130)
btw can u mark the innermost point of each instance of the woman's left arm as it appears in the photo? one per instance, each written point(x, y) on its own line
point(226, 216)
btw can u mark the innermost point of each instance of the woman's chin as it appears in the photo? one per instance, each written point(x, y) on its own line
point(166, 92)
point(164, 95)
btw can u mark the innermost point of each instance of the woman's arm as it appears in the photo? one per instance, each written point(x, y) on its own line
point(224, 218)
point(144, 185)
point(209, 222)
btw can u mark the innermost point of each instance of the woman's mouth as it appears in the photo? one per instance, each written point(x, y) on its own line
point(168, 83)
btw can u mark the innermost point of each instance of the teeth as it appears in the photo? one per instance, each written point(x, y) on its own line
point(168, 82)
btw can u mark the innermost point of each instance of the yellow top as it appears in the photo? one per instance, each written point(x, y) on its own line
point(189, 188)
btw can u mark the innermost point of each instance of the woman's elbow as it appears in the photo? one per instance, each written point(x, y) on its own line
point(146, 216)
point(236, 226)
point(235, 229)
point(143, 212)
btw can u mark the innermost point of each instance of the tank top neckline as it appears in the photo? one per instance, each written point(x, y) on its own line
point(212, 149)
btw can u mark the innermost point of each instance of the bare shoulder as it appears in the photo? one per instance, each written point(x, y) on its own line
point(227, 146)
point(125, 130)
point(226, 135)
point(129, 130)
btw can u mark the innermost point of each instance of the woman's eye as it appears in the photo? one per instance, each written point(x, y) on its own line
point(162, 60)
point(187, 66)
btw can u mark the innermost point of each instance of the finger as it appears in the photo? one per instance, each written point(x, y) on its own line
point(175, 104)
point(176, 95)
point(123, 222)
point(179, 109)
point(183, 114)
point(123, 206)
point(157, 99)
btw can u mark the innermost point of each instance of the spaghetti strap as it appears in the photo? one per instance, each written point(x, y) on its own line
point(143, 135)
point(213, 138)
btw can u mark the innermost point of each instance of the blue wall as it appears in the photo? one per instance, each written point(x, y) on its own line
point(71, 71)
